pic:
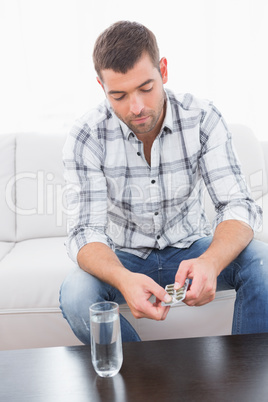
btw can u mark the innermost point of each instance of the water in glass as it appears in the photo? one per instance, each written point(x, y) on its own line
point(106, 343)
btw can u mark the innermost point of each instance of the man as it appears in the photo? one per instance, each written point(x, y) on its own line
point(140, 161)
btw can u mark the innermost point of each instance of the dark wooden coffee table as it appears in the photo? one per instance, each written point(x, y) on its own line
point(226, 368)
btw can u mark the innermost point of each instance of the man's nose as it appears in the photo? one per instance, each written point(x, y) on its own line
point(136, 105)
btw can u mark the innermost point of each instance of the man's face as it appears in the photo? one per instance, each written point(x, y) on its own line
point(138, 96)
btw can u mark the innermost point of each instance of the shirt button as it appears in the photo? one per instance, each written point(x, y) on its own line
point(158, 237)
point(138, 153)
point(152, 181)
point(156, 213)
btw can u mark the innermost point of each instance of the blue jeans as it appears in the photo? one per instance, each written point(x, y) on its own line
point(247, 274)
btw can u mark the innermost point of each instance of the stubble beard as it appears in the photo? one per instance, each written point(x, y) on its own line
point(146, 127)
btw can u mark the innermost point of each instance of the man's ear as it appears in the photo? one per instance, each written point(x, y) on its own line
point(163, 69)
point(101, 84)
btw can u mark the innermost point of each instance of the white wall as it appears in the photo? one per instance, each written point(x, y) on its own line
point(216, 49)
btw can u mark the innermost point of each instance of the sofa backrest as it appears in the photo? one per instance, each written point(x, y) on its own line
point(40, 186)
point(7, 172)
point(250, 154)
point(32, 188)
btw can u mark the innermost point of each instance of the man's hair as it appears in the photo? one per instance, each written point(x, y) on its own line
point(121, 46)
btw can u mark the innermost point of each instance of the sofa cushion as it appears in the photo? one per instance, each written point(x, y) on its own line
point(31, 275)
point(40, 186)
point(7, 194)
point(5, 248)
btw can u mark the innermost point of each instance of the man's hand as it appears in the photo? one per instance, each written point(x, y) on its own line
point(204, 281)
point(229, 239)
point(99, 260)
point(137, 290)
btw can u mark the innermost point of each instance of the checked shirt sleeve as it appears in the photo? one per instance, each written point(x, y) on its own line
point(222, 174)
point(87, 194)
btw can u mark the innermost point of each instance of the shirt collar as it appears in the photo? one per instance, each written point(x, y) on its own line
point(167, 123)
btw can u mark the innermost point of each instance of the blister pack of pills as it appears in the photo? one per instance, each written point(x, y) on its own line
point(177, 295)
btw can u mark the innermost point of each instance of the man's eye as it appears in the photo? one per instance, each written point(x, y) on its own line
point(120, 98)
point(147, 90)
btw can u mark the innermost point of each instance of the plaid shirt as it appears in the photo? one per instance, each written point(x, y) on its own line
point(120, 200)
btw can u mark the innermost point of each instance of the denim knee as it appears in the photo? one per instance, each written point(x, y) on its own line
point(255, 260)
point(78, 291)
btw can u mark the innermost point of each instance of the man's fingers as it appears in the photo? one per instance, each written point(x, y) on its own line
point(199, 294)
point(139, 301)
point(156, 311)
point(165, 312)
point(181, 275)
point(161, 294)
point(194, 291)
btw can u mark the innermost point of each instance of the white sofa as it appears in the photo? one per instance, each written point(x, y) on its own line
point(33, 259)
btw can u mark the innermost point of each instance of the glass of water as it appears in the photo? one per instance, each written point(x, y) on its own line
point(106, 342)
